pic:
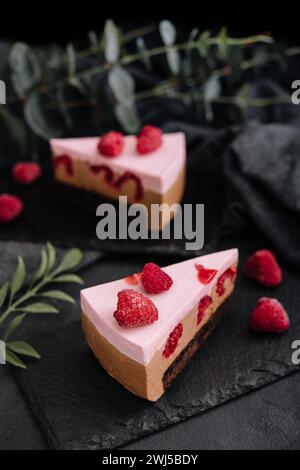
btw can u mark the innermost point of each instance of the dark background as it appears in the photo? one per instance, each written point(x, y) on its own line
point(42, 22)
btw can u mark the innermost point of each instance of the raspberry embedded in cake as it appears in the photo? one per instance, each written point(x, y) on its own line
point(144, 339)
point(148, 169)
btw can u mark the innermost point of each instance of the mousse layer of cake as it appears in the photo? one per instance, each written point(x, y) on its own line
point(156, 171)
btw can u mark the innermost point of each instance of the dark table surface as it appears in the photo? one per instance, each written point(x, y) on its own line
point(266, 419)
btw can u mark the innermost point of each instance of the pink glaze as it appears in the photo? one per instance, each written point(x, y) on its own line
point(140, 343)
point(157, 171)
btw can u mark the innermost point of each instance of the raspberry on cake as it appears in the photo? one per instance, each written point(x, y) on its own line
point(145, 339)
point(148, 169)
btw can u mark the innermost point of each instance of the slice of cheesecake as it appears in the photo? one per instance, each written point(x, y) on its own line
point(145, 339)
point(127, 169)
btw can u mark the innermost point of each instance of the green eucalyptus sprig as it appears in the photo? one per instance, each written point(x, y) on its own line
point(17, 301)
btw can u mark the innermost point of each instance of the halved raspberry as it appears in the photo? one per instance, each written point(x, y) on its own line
point(205, 275)
point(154, 279)
point(263, 267)
point(134, 309)
point(149, 139)
point(10, 208)
point(26, 172)
point(204, 303)
point(129, 176)
point(66, 162)
point(133, 279)
point(173, 340)
point(269, 316)
point(229, 273)
point(111, 144)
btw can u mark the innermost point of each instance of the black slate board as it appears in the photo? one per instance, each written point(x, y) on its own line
point(78, 406)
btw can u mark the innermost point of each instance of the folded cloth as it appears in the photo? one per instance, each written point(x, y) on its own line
point(262, 172)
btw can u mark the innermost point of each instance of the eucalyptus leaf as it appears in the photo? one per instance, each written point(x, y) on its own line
point(94, 40)
point(122, 85)
point(51, 253)
point(15, 128)
point(13, 326)
point(42, 267)
point(23, 348)
point(141, 47)
point(71, 56)
point(3, 293)
point(19, 277)
point(212, 89)
point(14, 360)
point(128, 118)
point(203, 44)
point(36, 117)
point(39, 307)
point(59, 295)
point(70, 260)
point(112, 42)
point(25, 68)
point(72, 278)
point(222, 44)
point(168, 32)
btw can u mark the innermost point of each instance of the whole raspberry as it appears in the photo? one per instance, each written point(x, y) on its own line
point(134, 309)
point(149, 139)
point(263, 267)
point(269, 316)
point(10, 208)
point(204, 303)
point(173, 340)
point(26, 172)
point(111, 144)
point(154, 279)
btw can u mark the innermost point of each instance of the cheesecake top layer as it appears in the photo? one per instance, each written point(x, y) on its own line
point(140, 343)
point(158, 170)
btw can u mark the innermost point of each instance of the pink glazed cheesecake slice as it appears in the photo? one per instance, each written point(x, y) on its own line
point(153, 178)
point(146, 358)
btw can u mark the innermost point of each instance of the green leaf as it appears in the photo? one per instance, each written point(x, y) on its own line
point(71, 56)
point(14, 360)
point(70, 260)
point(25, 349)
point(3, 293)
point(42, 268)
point(51, 252)
point(141, 46)
point(13, 326)
point(39, 307)
point(122, 85)
point(42, 115)
point(128, 117)
point(112, 42)
point(168, 32)
point(25, 68)
point(59, 295)
point(69, 278)
point(15, 128)
point(19, 277)
point(203, 44)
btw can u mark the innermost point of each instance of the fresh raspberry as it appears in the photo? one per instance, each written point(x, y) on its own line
point(269, 316)
point(263, 267)
point(205, 275)
point(154, 279)
point(229, 273)
point(10, 207)
point(66, 162)
point(134, 309)
point(111, 144)
point(204, 303)
point(26, 172)
point(173, 340)
point(149, 139)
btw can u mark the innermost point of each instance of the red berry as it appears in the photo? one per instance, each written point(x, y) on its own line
point(263, 267)
point(229, 273)
point(173, 340)
point(111, 144)
point(66, 162)
point(204, 303)
point(205, 275)
point(26, 172)
point(10, 207)
point(133, 279)
point(269, 316)
point(154, 279)
point(134, 309)
point(149, 139)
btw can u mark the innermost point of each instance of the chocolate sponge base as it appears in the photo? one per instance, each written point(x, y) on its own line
point(195, 344)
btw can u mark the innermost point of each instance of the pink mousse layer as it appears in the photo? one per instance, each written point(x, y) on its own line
point(140, 343)
point(157, 170)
